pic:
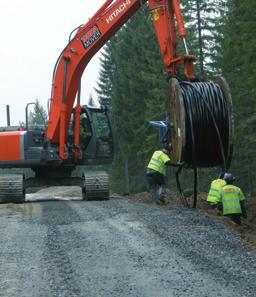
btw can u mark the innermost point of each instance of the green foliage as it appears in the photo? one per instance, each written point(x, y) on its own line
point(238, 61)
point(204, 20)
point(38, 116)
point(134, 83)
point(107, 72)
point(91, 101)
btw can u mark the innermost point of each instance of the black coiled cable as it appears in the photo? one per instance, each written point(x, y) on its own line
point(207, 124)
point(207, 128)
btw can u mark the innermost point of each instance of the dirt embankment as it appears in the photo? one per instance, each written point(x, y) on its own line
point(247, 230)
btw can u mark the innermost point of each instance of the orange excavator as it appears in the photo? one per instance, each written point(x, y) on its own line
point(81, 135)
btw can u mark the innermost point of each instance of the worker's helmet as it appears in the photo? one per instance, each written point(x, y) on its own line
point(228, 177)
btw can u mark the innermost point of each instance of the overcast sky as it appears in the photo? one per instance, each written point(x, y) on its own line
point(32, 35)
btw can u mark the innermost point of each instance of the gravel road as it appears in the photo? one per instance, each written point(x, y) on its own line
point(119, 248)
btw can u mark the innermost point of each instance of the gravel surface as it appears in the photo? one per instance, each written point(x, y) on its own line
point(119, 248)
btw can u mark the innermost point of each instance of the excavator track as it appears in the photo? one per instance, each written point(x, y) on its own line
point(96, 186)
point(12, 188)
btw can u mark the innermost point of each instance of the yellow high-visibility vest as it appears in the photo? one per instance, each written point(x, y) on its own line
point(231, 197)
point(215, 191)
point(158, 161)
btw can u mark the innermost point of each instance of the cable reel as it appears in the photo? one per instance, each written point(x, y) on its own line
point(200, 118)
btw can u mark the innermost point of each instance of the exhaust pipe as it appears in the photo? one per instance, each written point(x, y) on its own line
point(8, 115)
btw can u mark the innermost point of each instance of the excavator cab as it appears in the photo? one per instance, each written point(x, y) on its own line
point(96, 137)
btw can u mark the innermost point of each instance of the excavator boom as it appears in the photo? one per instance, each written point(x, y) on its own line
point(91, 37)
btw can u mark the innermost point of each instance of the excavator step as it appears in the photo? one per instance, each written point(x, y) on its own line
point(96, 186)
point(12, 188)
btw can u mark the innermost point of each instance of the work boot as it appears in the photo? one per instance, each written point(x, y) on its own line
point(162, 200)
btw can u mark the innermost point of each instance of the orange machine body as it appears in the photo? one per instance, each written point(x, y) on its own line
point(12, 145)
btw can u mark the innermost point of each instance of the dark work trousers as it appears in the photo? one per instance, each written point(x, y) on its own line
point(235, 218)
point(155, 182)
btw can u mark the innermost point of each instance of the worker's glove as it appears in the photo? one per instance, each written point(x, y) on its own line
point(181, 164)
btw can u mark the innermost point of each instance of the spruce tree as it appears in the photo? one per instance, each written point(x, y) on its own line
point(238, 64)
point(204, 20)
point(91, 101)
point(38, 116)
point(107, 70)
point(138, 94)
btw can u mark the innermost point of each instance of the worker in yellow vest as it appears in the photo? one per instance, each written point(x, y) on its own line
point(215, 191)
point(156, 172)
point(232, 200)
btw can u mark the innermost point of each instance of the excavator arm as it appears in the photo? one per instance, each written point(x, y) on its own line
point(89, 39)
